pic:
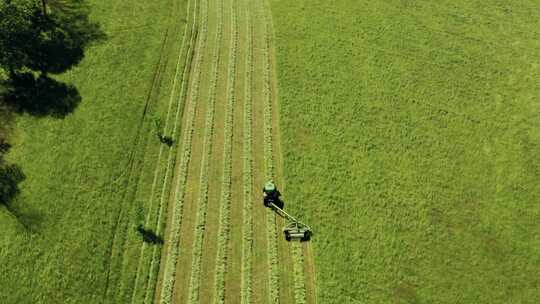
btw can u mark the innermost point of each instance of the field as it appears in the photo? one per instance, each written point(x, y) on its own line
point(203, 73)
point(406, 133)
point(411, 144)
point(221, 244)
point(89, 175)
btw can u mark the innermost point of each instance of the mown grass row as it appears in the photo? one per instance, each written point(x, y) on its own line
point(247, 238)
point(271, 225)
point(145, 267)
point(173, 248)
point(299, 278)
point(195, 279)
point(160, 226)
point(223, 234)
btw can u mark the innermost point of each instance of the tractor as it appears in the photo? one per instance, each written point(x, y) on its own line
point(295, 230)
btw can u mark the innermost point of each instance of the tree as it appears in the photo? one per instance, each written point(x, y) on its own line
point(18, 33)
point(35, 43)
point(32, 39)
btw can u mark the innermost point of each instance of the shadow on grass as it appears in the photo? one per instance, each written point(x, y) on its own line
point(57, 44)
point(41, 96)
point(149, 236)
point(11, 176)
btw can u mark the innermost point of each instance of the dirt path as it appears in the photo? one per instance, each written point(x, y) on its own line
point(221, 244)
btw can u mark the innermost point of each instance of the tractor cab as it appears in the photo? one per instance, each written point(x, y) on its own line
point(271, 194)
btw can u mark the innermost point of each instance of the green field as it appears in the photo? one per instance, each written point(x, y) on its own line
point(89, 174)
point(405, 133)
point(411, 144)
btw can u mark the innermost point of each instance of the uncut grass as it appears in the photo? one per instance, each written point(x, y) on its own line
point(76, 166)
point(147, 166)
point(411, 141)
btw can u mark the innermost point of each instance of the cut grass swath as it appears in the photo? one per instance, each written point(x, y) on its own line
point(269, 166)
point(298, 258)
point(145, 267)
point(195, 278)
point(223, 234)
point(173, 248)
point(156, 253)
point(247, 243)
point(299, 285)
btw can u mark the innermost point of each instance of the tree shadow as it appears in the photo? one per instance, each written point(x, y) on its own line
point(149, 236)
point(41, 96)
point(31, 221)
point(68, 32)
point(63, 36)
point(10, 176)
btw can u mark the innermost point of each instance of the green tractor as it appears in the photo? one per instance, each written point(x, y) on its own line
point(295, 230)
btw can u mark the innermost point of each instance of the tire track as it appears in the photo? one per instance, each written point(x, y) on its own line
point(169, 275)
point(120, 228)
point(152, 285)
point(139, 292)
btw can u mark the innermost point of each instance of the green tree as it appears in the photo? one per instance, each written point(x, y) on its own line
point(33, 40)
point(19, 31)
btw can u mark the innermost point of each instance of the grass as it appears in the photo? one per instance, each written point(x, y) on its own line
point(271, 224)
point(299, 278)
point(77, 168)
point(173, 249)
point(224, 218)
point(411, 143)
point(247, 229)
point(148, 264)
point(196, 268)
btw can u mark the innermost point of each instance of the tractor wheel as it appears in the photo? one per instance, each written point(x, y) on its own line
point(287, 236)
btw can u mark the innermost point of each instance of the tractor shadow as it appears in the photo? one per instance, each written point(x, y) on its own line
point(149, 236)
